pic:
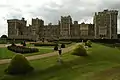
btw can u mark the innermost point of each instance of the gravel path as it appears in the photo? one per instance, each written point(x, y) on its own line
point(5, 45)
point(4, 61)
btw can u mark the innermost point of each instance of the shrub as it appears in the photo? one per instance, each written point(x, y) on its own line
point(13, 44)
point(24, 43)
point(69, 42)
point(22, 49)
point(56, 48)
point(21, 42)
point(63, 46)
point(117, 44)
point(88, 43)
point(80, 51)
point(3, 41)
point(18, 65)
point(45, 44)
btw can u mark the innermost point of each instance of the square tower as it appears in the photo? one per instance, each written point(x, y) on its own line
point(106, 24)
point(65, 25)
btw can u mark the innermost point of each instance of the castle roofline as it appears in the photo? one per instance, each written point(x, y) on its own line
point(23, 19)
point(83, 23)
point(37, 19)
point(12, 19)
point(66, 16)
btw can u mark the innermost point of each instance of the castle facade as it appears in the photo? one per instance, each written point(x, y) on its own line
point(104, 27)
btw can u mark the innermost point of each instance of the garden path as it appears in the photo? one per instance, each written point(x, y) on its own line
point(34, 57)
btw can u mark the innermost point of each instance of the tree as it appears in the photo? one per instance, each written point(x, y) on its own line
point(4, 36)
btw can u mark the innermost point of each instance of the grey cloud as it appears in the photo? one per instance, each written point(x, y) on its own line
point(69, 7)
point(78, 9)
point(14, 13)
point(27, 6)
point(5, 6)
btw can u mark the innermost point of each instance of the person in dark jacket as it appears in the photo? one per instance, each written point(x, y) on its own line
point(60, 51)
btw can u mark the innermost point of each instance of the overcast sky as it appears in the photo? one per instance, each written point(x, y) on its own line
point(51, 10)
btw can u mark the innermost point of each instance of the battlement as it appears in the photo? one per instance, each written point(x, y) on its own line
point(66, 16)
point(22, 21)
point(37, 21)
point(107, 11)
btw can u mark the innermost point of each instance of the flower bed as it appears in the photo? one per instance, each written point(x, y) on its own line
point(22, 49)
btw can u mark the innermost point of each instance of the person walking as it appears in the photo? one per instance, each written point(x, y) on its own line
point(60, 53)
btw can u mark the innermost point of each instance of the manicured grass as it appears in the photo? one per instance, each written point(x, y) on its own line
point(29, 45)
point(68, 45)
point(5, 53)
point(97, 66)
point(41, 51)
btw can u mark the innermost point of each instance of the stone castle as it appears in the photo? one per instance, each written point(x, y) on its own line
point(104, 27)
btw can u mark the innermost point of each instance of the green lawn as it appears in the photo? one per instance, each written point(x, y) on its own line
point(103, 63)
point(5, 53)
point(68, 45)
point(41, 51)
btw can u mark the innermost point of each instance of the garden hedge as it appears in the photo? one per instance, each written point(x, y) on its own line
point(45, 44)
point(22, 49)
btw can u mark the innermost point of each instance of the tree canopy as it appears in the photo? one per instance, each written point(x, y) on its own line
point(4, 36)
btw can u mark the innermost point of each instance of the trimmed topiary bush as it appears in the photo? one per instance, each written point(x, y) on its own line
point(56, 48)
point(80, 51)
point(88, 43)
point(18, 65)
point(63, 46)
